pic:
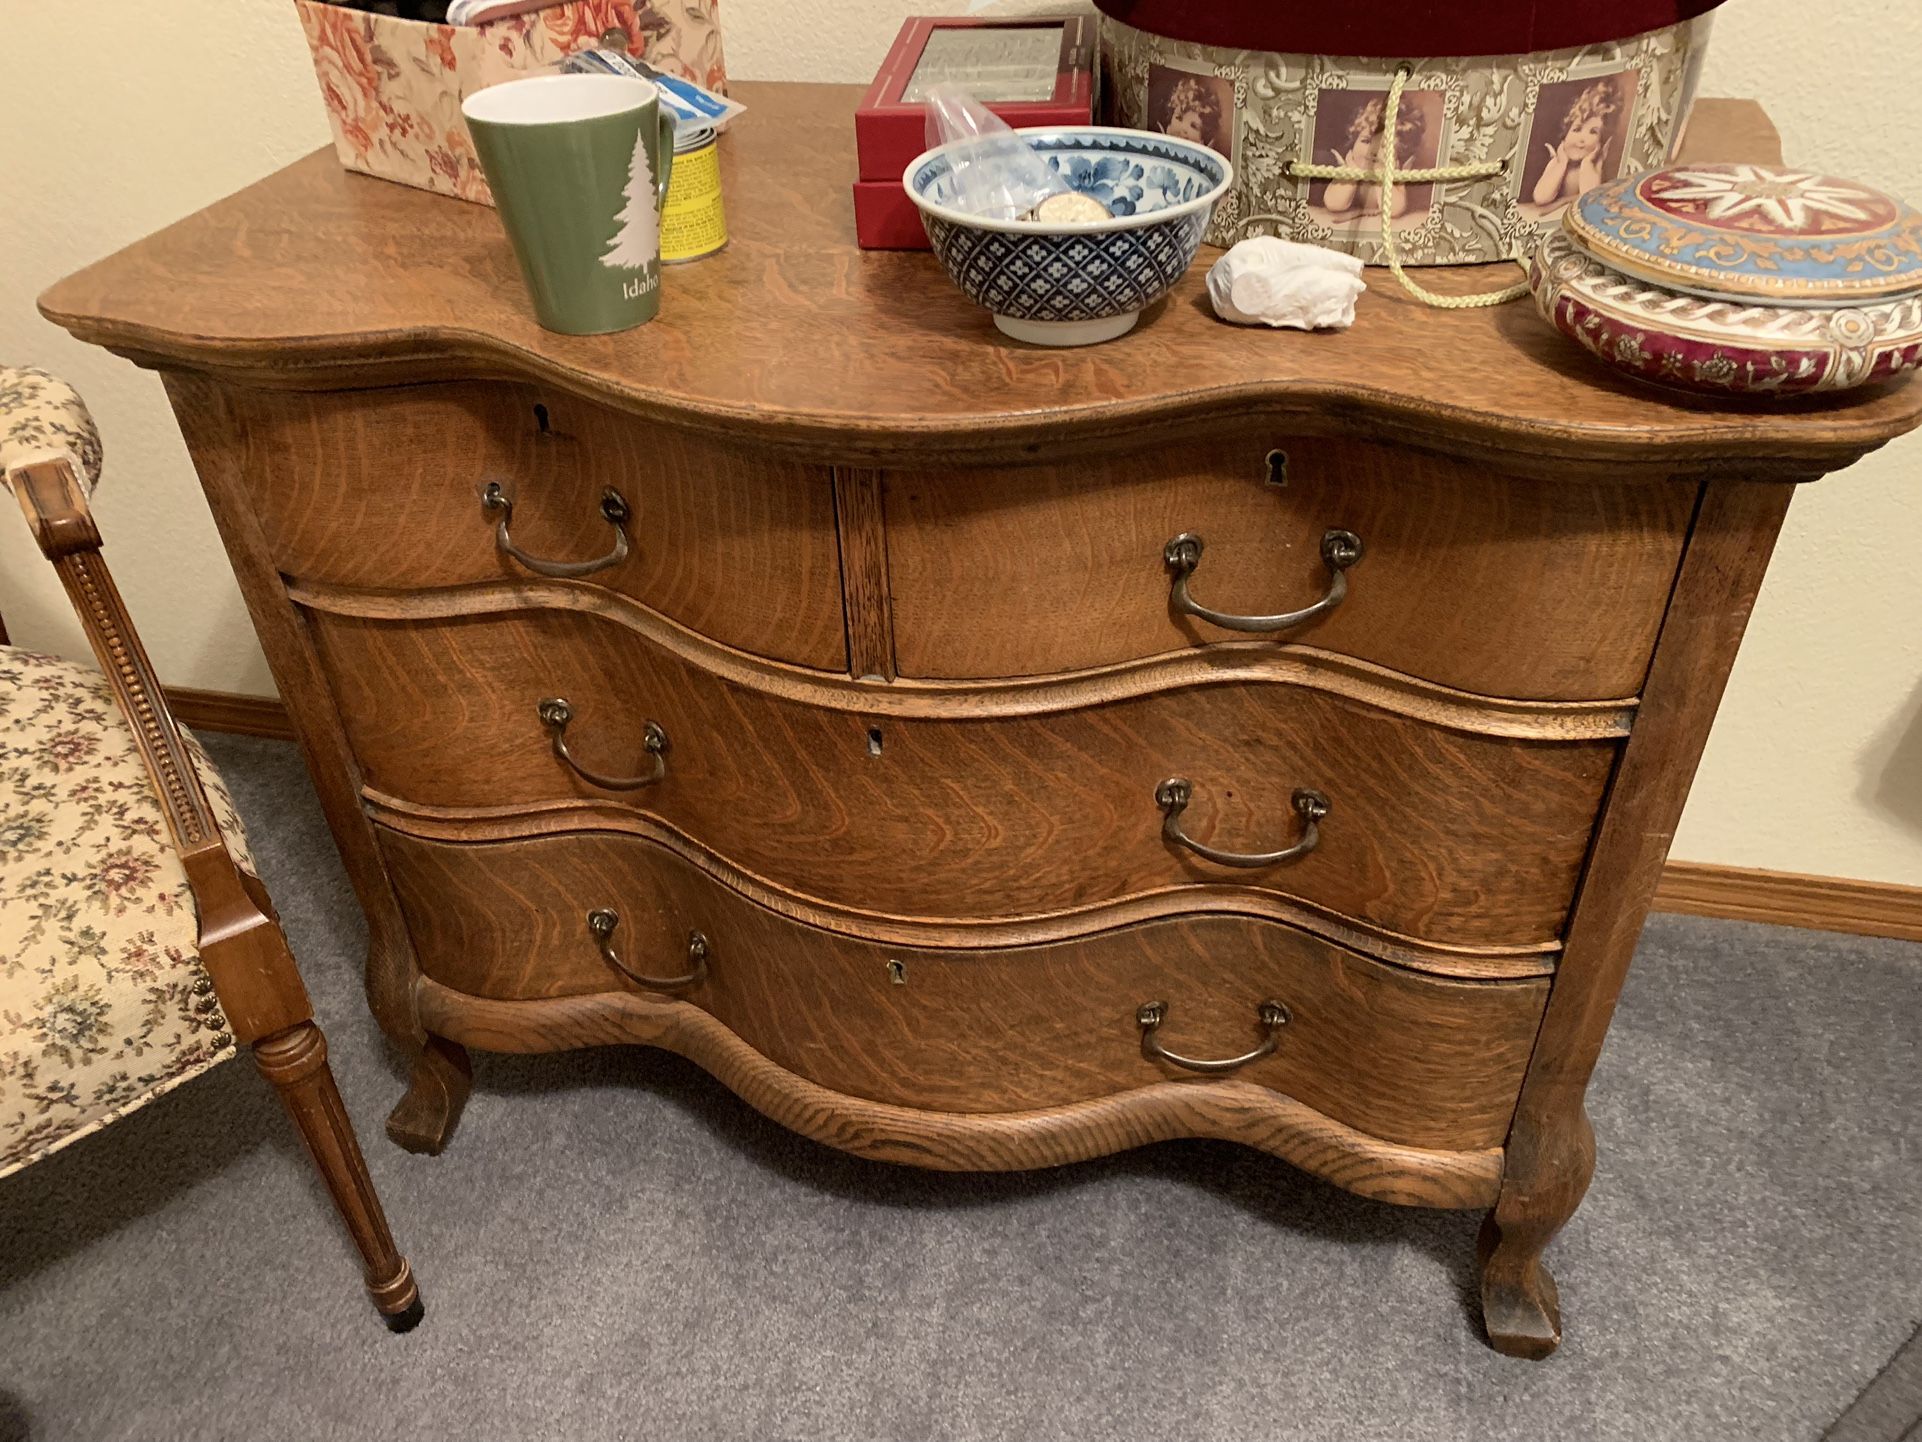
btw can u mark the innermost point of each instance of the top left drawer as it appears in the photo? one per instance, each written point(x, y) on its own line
point(384, 489)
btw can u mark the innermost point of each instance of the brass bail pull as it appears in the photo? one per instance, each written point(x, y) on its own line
point(1174, 794)
point(555, 713)
point(495, 500)
point(601, 923)
point(1272, 1016)
point(1339, 550)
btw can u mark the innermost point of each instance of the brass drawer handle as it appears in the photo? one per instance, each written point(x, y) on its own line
point(1174, 794)
point(555, 713)
point(602, 921)
point(613, 507)
point(1340, 549)
point(1272, 1015)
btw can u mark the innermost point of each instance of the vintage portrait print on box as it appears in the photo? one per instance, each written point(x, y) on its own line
point(1193, 104)
point(1576, 142)
point(1555, 123)
point(1350, 129)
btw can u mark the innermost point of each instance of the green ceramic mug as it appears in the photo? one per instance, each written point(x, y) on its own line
point(579, 166)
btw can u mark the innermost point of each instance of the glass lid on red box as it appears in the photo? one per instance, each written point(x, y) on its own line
point(1765, 234)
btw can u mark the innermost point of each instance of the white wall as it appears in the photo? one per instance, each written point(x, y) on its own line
point(1816, 761)
point(115, 119)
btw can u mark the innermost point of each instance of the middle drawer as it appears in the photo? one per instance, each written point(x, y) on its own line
point(1438, 835)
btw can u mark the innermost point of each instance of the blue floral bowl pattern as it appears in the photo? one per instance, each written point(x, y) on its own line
point(1076, 283)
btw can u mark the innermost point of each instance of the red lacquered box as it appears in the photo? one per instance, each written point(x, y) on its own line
point(1038, 70)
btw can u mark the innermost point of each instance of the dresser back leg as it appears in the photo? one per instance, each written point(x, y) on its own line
point(425, 1118)
point(295, 1061)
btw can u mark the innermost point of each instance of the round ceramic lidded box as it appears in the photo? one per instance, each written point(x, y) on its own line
point(1738, 280)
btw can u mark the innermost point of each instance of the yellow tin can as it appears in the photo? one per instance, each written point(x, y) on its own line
point(693, 223)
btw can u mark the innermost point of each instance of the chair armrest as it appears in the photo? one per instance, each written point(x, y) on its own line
point(62, 522)
point(241, 943)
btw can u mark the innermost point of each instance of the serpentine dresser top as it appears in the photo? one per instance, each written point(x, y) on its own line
point(978, 756)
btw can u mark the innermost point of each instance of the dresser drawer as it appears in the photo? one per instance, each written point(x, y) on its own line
point(1413, 1059)
point(1493, 584)
point(384, 489)
point(1456, 839)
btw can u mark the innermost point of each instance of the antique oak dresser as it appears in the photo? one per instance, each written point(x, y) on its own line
point(978, 756)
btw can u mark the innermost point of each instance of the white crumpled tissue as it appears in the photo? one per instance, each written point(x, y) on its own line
point(1268, 281)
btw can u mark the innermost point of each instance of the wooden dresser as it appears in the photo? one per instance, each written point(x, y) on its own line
point(978, 756)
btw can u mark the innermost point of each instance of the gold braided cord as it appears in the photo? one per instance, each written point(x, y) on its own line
point(1387, 177)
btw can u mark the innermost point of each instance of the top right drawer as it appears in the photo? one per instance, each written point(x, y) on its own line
point(1494, 584)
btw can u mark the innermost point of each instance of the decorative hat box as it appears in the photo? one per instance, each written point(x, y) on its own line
point(1553, 98)
point(1738, 280)
point(393, 88)
point(1037, 70)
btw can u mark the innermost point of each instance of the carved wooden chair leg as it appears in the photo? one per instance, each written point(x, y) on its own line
point(295, 1061)
point(49, 457)
point(425, 1118)
point(1543, 1181)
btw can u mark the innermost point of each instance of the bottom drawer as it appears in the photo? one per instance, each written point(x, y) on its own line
point(1419, 1060)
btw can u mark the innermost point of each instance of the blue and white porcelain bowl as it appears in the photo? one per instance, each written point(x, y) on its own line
point(1054, 283)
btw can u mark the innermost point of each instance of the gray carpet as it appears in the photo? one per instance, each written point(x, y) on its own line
point(615, 1246)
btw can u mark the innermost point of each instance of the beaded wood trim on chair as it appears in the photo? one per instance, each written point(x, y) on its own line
point(56, 508)
point(108, 625)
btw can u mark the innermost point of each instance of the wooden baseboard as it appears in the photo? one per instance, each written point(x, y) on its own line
point(234, 714)
point(1784, 898)
point(1695, 888)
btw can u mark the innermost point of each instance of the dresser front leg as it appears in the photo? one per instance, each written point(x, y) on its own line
point(424, 1120)
point(1543, 1180)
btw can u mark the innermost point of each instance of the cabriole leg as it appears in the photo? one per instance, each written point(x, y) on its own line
point(1543, 1181)
point(425, 1119)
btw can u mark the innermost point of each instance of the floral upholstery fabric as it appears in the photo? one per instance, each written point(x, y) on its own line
point(393, 88)
point(41, 418)
point(104, 1004)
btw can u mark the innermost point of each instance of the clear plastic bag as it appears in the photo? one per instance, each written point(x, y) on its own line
point(995, 172)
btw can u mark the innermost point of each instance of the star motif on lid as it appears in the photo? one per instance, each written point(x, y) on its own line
point(1762, 197)
point(1761, 232)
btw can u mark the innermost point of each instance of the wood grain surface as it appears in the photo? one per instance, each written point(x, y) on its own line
point(316, 277)
point(1484, 962)
point(1486, 583)
point(1410, 1059)
point(982, 1142)
point(1550, 1156)
point(1251, 661)
point(214, 444)
point(1460, 839)
point(727, 541)
point(864, 574)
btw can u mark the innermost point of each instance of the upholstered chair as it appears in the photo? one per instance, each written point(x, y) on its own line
point(137, 946)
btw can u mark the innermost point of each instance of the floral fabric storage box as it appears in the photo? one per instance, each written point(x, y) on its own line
point(393, 88)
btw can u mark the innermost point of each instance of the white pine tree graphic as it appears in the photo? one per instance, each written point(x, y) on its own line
point(637, 244)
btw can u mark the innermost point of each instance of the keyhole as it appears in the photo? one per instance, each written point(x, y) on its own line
point(898, 973)
point(1277, 468)
point(874, 740)
point(540, 419)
